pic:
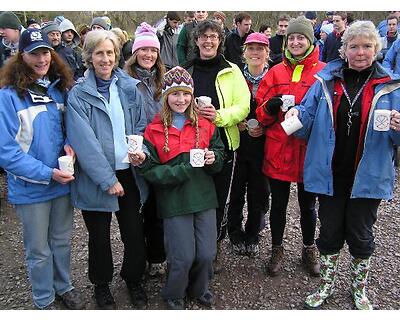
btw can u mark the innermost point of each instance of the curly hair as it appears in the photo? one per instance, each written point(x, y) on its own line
point(166, 119)
point(16, 73)
point(130, 68)
point(202, 28)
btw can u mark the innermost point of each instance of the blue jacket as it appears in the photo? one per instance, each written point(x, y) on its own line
point(374, 177)
point(89, 131)
point(392, 58)
point(31, 141)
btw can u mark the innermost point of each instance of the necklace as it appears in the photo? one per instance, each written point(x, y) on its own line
point(352, 103)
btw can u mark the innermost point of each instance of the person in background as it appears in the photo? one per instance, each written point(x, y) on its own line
point(103, 108)
point(325, 31)
point(283, 154)
point(230, 100)
point(32, 97)
point(312, 16)
point(168, 38)
point(220, 17)
point(10, 31)
point(146, 65)
point(348, 163)
point(122, 41)
point(334, 41)
point(266, 29)
point(277, 43)
point(82, 29)
point(248, 177)
point(235, 40)
point(391, 36)
point(69, 35)
point(383, 27)
point(186, 195)
point(32, 23)
point(185, 45)
point(99, 23)
point(53, 32)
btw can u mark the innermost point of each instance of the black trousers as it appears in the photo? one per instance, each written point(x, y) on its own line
point(351, 220)
point(248, 175)
point(222, 181)
point(130, 223)
point(280, 191)
point(153, 230)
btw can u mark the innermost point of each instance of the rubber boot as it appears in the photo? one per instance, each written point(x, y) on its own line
point(359, 278)
point(328, 267)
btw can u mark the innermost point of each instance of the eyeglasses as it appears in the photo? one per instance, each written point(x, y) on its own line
point(212, 37)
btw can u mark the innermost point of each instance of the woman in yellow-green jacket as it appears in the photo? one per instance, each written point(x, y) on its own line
point(230, 103)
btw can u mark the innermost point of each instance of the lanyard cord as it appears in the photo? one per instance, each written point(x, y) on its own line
point(352, 103)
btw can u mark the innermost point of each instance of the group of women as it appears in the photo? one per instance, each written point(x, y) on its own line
point(336, 157)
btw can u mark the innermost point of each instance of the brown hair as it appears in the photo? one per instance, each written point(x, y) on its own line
point(166, 119)
point(18, 74)
point(130, 68)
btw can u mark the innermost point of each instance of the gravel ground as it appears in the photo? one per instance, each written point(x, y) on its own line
point(243, 284)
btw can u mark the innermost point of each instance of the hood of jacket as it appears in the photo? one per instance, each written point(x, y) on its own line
point(68, 25)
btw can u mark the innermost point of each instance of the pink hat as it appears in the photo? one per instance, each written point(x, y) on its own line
point(145, 36)
point(257, 37)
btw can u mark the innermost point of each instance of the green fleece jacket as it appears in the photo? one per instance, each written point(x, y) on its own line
point(180, 188)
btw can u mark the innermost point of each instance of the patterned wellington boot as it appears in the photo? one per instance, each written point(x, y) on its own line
point(359, 274)
point(329, 264)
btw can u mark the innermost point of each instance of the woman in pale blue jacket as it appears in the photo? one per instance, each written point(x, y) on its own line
point(349, 163)
point(102, 109)
point(392, 58)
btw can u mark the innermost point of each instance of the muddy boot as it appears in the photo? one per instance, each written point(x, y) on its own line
point(217, 265)
point(359, 276)
point(329, 265)
point(310, 259)
point(274, 266)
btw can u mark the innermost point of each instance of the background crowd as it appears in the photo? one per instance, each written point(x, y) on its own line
point(80, 91)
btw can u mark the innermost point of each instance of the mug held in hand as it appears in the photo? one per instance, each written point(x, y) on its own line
point(135, 143)
point(197, 157)
point(291, 125)
point(66, 163)
point(382, 120)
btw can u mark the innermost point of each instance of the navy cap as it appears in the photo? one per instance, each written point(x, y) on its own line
point(32, 39)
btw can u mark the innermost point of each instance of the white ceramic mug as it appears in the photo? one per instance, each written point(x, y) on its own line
point(291, 125)
point(252, 123)
point(288, 101)
point(66, 163)
point(382, 120)
point(202, 101)
point(135, 143)
point(197, 157)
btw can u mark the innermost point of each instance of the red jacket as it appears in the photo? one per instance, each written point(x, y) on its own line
point(179, 141)
point(284, 155)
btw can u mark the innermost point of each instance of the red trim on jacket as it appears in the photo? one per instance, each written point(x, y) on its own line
point(366, 103)
point(179, 141)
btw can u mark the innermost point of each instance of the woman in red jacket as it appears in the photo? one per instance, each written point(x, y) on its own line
point(283, 154)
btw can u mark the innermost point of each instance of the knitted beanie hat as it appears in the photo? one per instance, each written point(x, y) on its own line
point(177, 79)
point(303, 26)
point(50, 27)
point(145, 36)
point(8, 20)
point(327, 28)
point(99, 21)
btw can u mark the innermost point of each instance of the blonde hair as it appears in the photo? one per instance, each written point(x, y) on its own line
point(166, 119)
point(130, 68)
point(93, 39)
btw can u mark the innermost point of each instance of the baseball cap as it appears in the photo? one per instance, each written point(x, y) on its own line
point(32, 39)
point(257, 37)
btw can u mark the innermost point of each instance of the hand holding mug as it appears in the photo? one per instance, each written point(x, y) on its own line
point(208, 112)
point(395, 120)
point(136, 158)
point(292, 113)
point(209, 156)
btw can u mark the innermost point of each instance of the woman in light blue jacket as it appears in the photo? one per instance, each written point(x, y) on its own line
point(102, 109)
point(349, 163)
